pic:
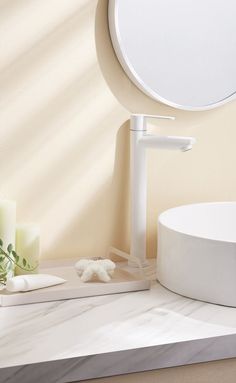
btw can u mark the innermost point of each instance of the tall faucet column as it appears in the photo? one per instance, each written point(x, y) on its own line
point(138, 186)
point(139, 142)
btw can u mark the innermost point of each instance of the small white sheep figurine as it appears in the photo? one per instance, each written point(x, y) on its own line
point(102, 269)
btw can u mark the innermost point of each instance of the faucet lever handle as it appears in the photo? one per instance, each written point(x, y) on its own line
point(157, 116)
point(138, 121)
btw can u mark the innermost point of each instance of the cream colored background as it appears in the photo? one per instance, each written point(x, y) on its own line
point(64, 143)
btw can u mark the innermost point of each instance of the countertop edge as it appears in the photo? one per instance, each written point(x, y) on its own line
point(123, 362)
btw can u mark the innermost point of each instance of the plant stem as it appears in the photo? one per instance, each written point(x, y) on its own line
point(16, 263)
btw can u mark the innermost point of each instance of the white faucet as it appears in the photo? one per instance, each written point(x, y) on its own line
point(140, 140)
point(138, 124)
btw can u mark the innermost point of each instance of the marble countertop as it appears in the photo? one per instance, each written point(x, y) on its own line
point(79, 339)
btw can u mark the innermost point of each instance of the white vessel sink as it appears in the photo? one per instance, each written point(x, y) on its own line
point(197, 251)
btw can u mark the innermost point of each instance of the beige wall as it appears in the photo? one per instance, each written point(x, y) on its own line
point(64, 103)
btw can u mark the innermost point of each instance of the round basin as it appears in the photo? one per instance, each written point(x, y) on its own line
point(197, 251)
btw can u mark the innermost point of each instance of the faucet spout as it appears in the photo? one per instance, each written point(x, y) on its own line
point(167, 142)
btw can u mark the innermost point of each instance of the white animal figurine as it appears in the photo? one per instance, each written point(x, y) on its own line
point(102, 269)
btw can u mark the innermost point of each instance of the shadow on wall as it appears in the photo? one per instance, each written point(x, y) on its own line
point(59, 127)
point(104, 221)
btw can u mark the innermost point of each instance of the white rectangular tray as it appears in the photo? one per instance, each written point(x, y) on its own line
point(122, 281)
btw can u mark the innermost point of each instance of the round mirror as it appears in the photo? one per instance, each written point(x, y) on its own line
point(179, 52)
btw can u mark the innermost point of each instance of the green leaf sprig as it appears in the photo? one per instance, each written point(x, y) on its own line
point(9, 257)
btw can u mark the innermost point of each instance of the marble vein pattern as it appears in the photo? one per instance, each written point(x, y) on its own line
point(108, 335)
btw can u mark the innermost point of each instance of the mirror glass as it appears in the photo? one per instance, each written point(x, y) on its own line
point(179, 52)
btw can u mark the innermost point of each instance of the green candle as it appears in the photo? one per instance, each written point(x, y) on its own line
point(28, 245)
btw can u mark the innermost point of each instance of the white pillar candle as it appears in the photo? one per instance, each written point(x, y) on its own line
point(7, 222)
point(27, 246)
point(7, 232)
